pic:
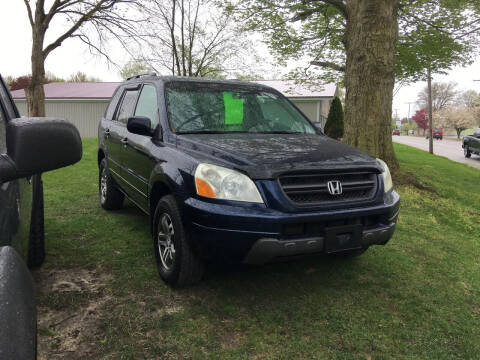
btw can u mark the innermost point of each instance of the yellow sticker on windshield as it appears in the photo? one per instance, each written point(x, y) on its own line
point(233, 109)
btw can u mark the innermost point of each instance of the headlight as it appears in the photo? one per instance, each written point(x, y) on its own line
point(387, 178)
point(221, 183)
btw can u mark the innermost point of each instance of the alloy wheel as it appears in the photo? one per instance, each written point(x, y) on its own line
point(103, 186)
point(166, 247)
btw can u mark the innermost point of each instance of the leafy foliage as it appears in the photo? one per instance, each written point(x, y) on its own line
point(421, 118)
point(335, 126)
point(82, 77)
point(134, 67)
point(22, 82)
point(456, 117)
point(435, 34)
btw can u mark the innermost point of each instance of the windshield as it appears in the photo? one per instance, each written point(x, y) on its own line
point(218, 108)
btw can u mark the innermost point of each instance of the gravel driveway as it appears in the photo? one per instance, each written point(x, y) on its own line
point(451, 149)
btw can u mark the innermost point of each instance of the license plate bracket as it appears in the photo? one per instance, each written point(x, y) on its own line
point(343, 238)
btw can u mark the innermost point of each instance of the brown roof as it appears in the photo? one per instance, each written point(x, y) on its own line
point(70, 90)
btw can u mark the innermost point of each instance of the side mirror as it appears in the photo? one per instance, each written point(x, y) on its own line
point(140, 125)
point(36, 145)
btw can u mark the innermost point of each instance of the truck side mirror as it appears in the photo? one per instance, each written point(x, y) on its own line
point(36, 145)
point(140, 125)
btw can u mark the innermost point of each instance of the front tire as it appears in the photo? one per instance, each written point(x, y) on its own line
point(466, 152)
point(177, 262)
point(110, 197)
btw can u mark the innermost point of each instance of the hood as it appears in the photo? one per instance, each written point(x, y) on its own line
point(267, 155)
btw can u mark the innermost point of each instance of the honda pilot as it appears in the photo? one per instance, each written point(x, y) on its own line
point(234, 171)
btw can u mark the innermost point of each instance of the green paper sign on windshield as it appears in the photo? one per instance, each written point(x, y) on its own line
point(233, 109)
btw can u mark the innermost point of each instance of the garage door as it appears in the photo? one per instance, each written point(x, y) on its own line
point(309, 108)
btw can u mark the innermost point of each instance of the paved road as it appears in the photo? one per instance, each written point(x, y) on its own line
point(449, 148)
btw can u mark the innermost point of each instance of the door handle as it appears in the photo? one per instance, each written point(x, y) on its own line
point(124, 141)
point(106, 134)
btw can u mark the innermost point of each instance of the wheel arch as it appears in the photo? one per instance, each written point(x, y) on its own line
point(159, 189)
point(100, 156)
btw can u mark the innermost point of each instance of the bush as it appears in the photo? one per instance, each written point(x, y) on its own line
point(334, 127)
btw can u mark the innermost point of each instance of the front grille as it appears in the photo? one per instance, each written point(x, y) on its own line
point(311, 189)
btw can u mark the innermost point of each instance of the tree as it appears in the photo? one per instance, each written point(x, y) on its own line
point(421, 119)
point(456, 117)
point(134, 67)
point(443, 94)
point(183, 41)
point(91, 21)
point(367, 43)
point(23, 82)
point(409, 126)
point(469, 98)
point(334, 126)
point(8, 80)
point(82, 77)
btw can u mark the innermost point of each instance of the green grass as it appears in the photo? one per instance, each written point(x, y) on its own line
point(417, 297)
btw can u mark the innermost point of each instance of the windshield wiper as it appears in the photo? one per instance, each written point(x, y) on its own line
point(277, 132)
point(210, 132)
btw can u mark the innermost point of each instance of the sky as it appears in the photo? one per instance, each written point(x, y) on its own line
point(74, 56)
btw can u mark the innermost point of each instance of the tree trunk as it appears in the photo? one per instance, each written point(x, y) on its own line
point(372, 31)
point(35, 93)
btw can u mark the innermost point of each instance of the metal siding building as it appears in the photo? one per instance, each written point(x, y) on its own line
point(83, 113)
point(83, 104)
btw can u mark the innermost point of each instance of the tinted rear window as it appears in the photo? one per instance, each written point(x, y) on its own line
point(110, 112)
point(128, 105)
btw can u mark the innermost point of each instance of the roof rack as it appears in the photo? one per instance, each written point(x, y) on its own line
point(140, 75)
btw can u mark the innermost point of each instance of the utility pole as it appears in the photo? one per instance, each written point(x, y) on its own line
point(409, 103)
point(430, 112)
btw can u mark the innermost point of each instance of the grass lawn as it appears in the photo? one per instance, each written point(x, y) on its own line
point(99, 294)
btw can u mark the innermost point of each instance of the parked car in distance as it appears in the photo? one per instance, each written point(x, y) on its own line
point(396, 132)
point(28, 147)
point(471, 144)
point(234, 171)
point(436, 134)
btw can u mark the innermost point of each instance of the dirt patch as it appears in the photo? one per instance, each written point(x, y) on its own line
point(70, 304)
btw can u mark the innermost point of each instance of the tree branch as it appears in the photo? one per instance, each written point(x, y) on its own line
point(29, 11)
point(76, 26)
point(329, 64)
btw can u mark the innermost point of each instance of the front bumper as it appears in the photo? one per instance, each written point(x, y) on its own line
point(265, 250)
point(256, 234)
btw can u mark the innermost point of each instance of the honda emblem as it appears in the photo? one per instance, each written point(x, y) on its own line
point(334, 187)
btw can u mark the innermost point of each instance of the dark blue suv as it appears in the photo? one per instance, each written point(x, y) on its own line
point(234, 171)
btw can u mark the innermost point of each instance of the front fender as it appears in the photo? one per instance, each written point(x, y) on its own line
point(171, 176)
point(18, 315)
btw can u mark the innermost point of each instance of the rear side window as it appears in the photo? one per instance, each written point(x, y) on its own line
point(147, 104)
point(128, 104)
point(110, 112)
point(3, 137)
